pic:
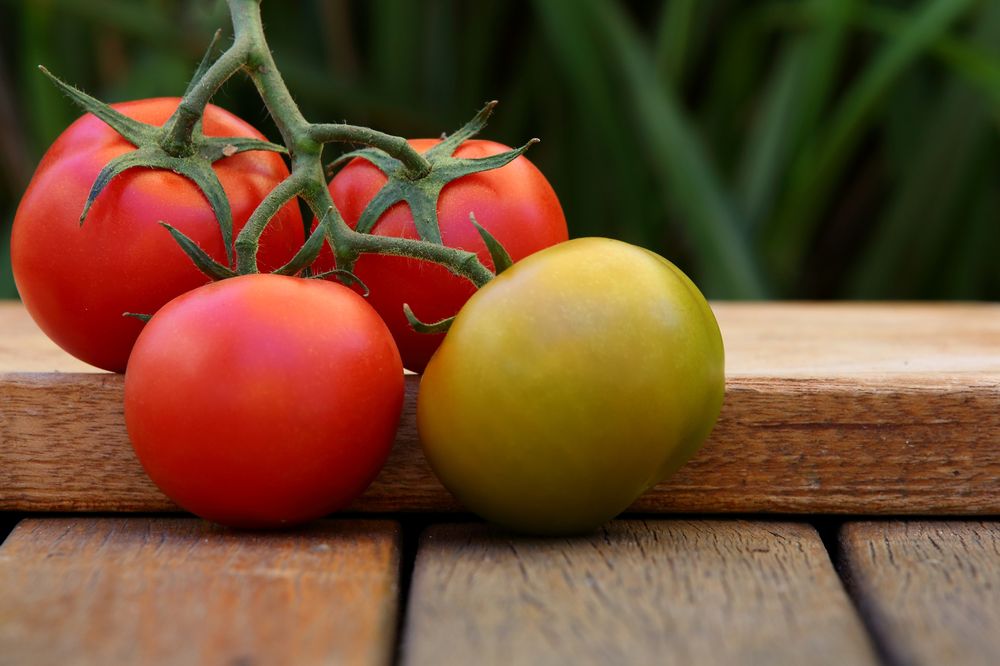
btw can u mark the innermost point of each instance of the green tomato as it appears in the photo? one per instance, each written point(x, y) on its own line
point(576, 380)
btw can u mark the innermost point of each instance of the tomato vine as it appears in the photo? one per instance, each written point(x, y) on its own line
point(415, 178)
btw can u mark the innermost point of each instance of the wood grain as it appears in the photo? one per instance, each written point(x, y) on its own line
point(937, 343)
point(638, 592)
point(856, 409)
point(180, 591)
point(930, 591)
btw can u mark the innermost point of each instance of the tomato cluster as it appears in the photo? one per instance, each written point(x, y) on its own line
point(577, 378)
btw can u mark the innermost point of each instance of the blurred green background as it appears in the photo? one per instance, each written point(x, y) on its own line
point(803, 149)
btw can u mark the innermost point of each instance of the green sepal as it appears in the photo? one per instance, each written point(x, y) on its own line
point(197, 170)
point(501, 258)
point(423, 202)
point(136, 158)
point(422, 194)
point(196, 167)
point(201, 173)
point(450, 144)
point(133, 131)
point(392, 193)
point(382, 160)
point(135, 315)
point(345, 276)
point(206, 62)
point(199, 257)
point(440, 326)
point(307, 253)
point(214, 148)
point(458, 167)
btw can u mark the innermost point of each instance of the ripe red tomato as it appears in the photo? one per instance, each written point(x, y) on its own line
point(515, 204)
point(77, 281)
point(264, 400)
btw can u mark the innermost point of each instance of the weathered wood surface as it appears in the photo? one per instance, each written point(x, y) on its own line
point(638, 592)
point(857, 409)
point(179, 591)
point(929, 591)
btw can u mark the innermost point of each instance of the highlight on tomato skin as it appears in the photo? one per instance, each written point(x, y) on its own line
point(569, 385)
point(515, 203)
point(77, 280)
point(264, 401)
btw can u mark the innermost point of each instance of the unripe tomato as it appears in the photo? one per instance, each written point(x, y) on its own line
point(515, 203)
point(77, 281)
point(573, 382)
point(264, 400)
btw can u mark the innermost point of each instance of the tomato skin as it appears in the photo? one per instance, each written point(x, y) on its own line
point(573, 382)
point(76, 281)
point(515, 204)
point(264, 400)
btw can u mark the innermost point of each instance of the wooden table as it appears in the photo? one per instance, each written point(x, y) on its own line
point(844, 511)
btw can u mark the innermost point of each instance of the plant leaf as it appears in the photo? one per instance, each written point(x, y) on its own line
point(787, 238)
point(682, 166)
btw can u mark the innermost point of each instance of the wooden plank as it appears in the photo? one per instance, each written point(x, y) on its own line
point(930, 591)
point(802, 447)
point(855, 409)
point(24, 348)
point(657, 592)
point(180, 591)
point(936, 343)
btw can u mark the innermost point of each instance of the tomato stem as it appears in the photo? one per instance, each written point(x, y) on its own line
point(305, 142)
point(178, 131)
point(396, 146)
point(179, 145)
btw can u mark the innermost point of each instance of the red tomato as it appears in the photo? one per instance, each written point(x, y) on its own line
point(77, 281)
point(264, 400)
point(515, 204)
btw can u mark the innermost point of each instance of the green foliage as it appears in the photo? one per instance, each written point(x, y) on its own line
point(804, 149)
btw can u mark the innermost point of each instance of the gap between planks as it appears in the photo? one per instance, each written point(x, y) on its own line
point(637, 592)
point(929, 591)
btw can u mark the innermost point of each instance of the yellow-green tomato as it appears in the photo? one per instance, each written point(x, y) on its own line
point(577, 379)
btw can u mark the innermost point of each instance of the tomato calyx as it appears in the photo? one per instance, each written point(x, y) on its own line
point(440, 326)
point(194, 162)
point(421, 193)
point(420, 190)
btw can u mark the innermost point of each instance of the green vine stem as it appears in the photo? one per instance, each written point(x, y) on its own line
point(305, 141)
point(180, 126)
point(416, 164)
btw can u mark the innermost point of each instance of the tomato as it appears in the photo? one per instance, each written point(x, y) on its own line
point(515, 203)
point(76, 281)
point(573, 382)
point(264, 400)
